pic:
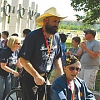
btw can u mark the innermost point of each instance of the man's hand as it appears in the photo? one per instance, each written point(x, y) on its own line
point(83, 45)
point(16, 73)
point(39, 80)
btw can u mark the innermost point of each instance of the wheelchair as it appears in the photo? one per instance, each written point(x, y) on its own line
point(14, 94)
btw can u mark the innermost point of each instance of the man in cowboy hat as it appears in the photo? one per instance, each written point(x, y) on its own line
point(39, 52)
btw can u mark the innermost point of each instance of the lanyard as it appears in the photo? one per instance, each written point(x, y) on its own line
point(49, 46)
point(71, 86)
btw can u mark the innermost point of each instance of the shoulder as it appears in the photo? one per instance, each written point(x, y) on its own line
point(56, 35)
point(58, 89)
point(57, 38)
point(80, 80)
point(32, 36)
point(35, 32)
point(60, 81)
point(6, 51)
point(71, 49)
point(96, 41)
point(63, 44)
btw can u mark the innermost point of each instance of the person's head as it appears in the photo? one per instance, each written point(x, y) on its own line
point(25, 32)
point(14, 34)
point(5, 34)
point(76, 41)
point(89, 34)
point(72, 68)
point(50, 20)
point(63, 38)
point(13, 43)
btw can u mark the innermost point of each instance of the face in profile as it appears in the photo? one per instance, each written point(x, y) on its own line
point(74, 43)
point(3, 36)
point(17, 45)
point(14, 43)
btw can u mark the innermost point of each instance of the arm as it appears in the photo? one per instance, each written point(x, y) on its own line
point(39, 80)
point(58, 65)
point(54, 94)
point(80, 51)
point(93, 54)
point(19, 65)
point(9, 70)
point(58, 90)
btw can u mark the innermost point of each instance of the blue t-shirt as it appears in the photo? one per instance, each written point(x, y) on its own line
point(34, 50)
point(63, 57)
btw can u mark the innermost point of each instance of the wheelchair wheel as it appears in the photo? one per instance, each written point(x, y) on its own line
point(15, 94)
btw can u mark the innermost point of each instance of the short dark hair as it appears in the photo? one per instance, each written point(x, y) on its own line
point(63, 37)
point(6, 33)
point(14, 34)
point(77, 39)
point(26, 31)
point(90, 31)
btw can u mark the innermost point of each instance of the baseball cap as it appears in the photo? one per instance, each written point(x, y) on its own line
point(90, 31)
point(71, 59)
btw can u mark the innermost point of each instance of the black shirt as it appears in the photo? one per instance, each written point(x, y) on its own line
point(34, 50)
point(5, 54)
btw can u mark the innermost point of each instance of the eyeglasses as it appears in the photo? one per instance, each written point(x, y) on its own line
point(17, 43)
point(74, 68)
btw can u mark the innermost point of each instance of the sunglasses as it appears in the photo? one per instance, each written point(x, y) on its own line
point(74, 68)
point(17, 43)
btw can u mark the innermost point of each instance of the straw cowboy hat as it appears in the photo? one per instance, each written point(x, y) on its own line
point(49, 12)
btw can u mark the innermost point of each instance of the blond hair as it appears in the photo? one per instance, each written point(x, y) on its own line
point(12, 40)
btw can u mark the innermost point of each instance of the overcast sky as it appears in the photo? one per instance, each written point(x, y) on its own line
point(63, 7)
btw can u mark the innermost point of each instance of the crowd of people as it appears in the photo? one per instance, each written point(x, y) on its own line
point(43, 59)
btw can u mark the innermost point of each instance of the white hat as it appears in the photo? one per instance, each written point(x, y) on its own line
point(49, 12)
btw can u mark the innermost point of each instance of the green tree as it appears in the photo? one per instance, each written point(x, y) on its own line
point(91, 9)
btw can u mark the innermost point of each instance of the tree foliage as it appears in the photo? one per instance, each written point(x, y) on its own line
point(91, 9)
point(69, 25)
